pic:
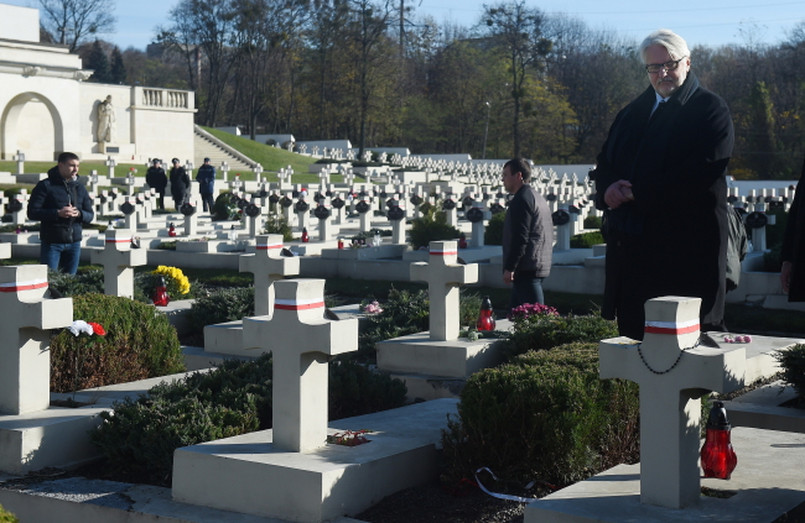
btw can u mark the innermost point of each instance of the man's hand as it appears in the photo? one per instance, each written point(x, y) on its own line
point(508, 277)
point(68, 211)
point(618, 193)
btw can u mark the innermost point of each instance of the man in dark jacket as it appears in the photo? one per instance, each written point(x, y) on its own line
point(62, 204)
point(661, 180)
point(792, 275)
point(527, 236)
point(180, 183)
point(156, 179)
point(206, 184)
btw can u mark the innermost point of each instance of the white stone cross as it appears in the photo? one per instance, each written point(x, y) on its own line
point(110, 163)
point(118, 260)
point(20, 159)
point(444, 276)
point(301, 341)
point(267, 266)
point(24, 337)
point(673, 372)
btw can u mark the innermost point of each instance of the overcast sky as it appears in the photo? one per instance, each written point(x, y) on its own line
point(700, 22)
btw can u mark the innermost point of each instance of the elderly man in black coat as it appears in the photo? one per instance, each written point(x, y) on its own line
point(792, 275)
point(661, 181)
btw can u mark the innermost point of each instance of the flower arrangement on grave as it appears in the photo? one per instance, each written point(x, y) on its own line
point(526, 310)
point(89, 328)
point(176, 282)
point(373, 307)
point(349, 438)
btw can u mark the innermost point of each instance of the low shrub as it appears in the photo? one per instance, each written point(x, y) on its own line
point(544, 417)
point(277, 224)
point(548, 329)
point(218, 306)
point(86, 280)
point(586, 240)
point(7, 517)
point(406, 312)
point(592, 222)
point(356, 390)
point(139, 343)
point(493, 234)
point(431, 227)
point(792, 362)
point(139, 438)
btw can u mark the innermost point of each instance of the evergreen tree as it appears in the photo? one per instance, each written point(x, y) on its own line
point(98, 62)
point(118, 68)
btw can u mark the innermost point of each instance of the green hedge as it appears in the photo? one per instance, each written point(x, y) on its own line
point(493, 234)
point(431, 227)
point(545, 416)
point(792, 362)
point(139, 343)
point(543, 331)
point(6, 516)
point(139, 438)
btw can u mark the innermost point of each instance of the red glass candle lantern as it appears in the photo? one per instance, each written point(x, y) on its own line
point(718, 456)
point(171, 230)
point(486, 322)
point(161, 297)
point(305, 237)
point(340, 243)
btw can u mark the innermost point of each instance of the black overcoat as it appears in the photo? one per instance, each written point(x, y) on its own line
point(672, 239)
point(794, 242)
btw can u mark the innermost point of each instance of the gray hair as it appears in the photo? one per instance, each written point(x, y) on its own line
point(673, 43)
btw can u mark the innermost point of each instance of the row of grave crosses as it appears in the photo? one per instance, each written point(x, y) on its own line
point(672, 369)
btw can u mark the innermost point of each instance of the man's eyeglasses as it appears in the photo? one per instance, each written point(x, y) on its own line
point(667, 66)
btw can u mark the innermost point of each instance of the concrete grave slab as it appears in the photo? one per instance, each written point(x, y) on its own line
point(248, 474)
point(767, 482)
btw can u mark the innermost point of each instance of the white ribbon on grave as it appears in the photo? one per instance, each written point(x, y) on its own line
point(507, 497)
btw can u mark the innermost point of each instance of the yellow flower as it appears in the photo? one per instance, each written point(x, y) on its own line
point(176, 281)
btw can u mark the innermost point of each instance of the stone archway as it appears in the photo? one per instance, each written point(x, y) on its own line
point(31, 123)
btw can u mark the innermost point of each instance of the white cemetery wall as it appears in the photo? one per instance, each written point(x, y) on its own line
point(41, 102)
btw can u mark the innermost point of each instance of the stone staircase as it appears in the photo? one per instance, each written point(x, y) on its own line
point(208, 146)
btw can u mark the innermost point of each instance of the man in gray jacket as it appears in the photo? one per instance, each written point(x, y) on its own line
point(527, 236)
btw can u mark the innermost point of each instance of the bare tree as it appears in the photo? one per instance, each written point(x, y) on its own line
point(517, 31)
point(72, 22)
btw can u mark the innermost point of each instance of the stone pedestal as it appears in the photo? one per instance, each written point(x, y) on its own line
point(248, 474)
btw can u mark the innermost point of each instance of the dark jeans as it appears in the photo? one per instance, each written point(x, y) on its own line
point(61, 256)
point(207, 202)
point(526, 290)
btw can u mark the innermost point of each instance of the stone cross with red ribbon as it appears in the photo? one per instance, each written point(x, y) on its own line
point(301, 341)
point(444, 275)
point(673, 372)
point(25, 337)
point(268, 266)
point(118, 260)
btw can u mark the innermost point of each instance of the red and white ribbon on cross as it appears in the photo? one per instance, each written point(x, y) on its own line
point(671, 327)
point(118, 240)
point(298, 305)
point(443, 253)
point(23, 286)
point(268, 246)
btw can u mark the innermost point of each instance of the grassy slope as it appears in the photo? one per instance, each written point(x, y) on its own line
point(271, 158)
